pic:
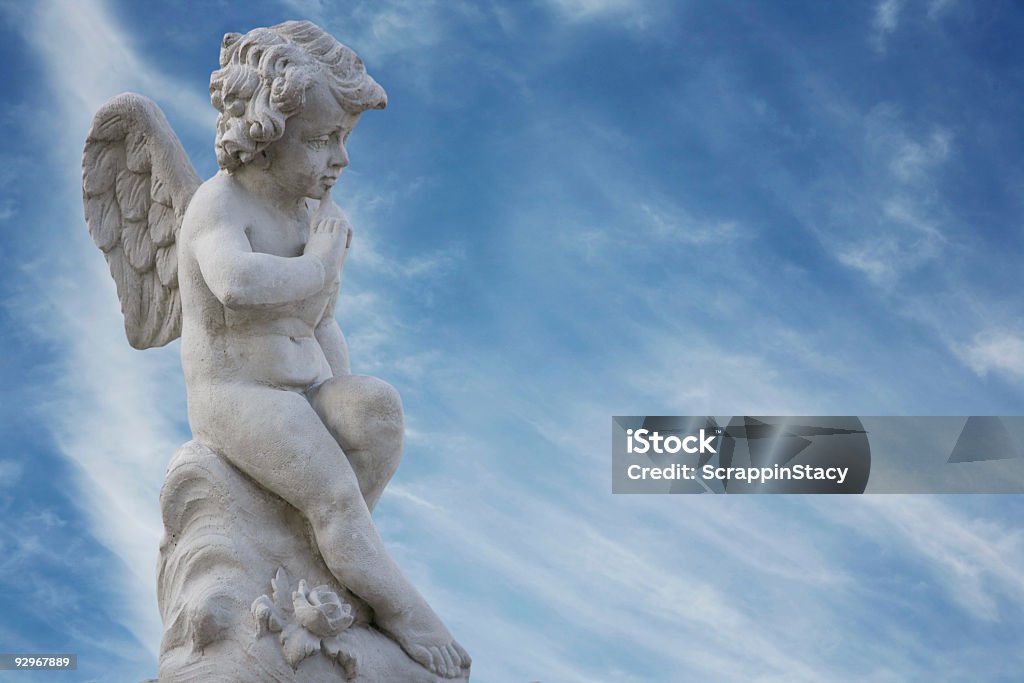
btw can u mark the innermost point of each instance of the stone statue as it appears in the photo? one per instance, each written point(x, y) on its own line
point(270, 567)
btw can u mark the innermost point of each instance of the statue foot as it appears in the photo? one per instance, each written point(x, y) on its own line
point(426, 640)
point(444, 660)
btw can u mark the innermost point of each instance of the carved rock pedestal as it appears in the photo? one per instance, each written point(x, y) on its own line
point(245, 596)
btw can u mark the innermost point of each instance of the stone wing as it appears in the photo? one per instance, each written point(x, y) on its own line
point(137, 182)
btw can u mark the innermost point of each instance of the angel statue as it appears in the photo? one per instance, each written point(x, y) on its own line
point(290, 450)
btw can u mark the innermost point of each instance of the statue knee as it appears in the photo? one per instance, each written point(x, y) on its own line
point(362, 412)
point(342, 496)
point(381, 405)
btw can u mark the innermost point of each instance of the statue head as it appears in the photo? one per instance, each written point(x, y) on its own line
point(264, 78)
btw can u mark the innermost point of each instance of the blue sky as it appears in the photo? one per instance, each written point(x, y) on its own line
point(570, 209)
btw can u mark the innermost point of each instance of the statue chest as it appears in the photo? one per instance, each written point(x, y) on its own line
point(286, 240)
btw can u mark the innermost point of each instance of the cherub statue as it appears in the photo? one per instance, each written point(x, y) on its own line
point(247, 272)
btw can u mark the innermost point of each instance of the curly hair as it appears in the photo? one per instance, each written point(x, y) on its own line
point(263, 80)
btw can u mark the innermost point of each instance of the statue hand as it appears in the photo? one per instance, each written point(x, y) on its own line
point(327, 209)
point(330, 235)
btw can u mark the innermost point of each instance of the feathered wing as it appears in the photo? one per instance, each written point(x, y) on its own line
point(137, 182)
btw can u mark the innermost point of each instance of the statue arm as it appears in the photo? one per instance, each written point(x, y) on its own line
point(242, 278)
point(328, 332)
point(332, 340)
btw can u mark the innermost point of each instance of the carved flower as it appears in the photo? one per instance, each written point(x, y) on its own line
point(309, 623)
point(320, 611)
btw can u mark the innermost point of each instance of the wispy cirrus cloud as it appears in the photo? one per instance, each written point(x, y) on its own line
point(995, 351)
point(889, 14)
point(677, 226)
point(638, 574)
point(885, 21)
point(601, 283)
point(95, 59)
point(884, 211)
point(114, 416)
point(596, 576)
point(387, 30)
point(975, 560)
point(633, 14)
point(884, 218)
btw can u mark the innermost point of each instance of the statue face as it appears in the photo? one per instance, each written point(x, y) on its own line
point(310, 156)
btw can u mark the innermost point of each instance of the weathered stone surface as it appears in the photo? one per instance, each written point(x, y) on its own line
point(271, 568)
point(227, 542)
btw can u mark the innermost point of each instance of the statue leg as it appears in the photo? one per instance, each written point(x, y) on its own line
point(364, 415)
point(277, 439)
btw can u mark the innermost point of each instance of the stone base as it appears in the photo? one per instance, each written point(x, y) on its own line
point(245, 596)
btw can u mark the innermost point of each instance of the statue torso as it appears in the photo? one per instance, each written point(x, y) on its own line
point(273, 344)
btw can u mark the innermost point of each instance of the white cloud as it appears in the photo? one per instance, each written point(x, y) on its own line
point(875, 260)
point(886, 19)
point(882, 215)
point(634, 14)
point(608, 579)
point(698, 376)
point(643, 573)
point(369, 316)
point(117, 412)
point(42, 561)
point(381, 29)
point(885, 214)
point(978, 562)
point(911, 156)
point(995, 351)
point(906, 239)
point(677, 226)
point(25, 539)
point(646, 573)
point(89, 59)
point(888, 15)
point(912, 160)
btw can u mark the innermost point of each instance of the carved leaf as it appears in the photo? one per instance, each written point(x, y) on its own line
point(297, 643)
point(282, 589)
point(336, 649)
